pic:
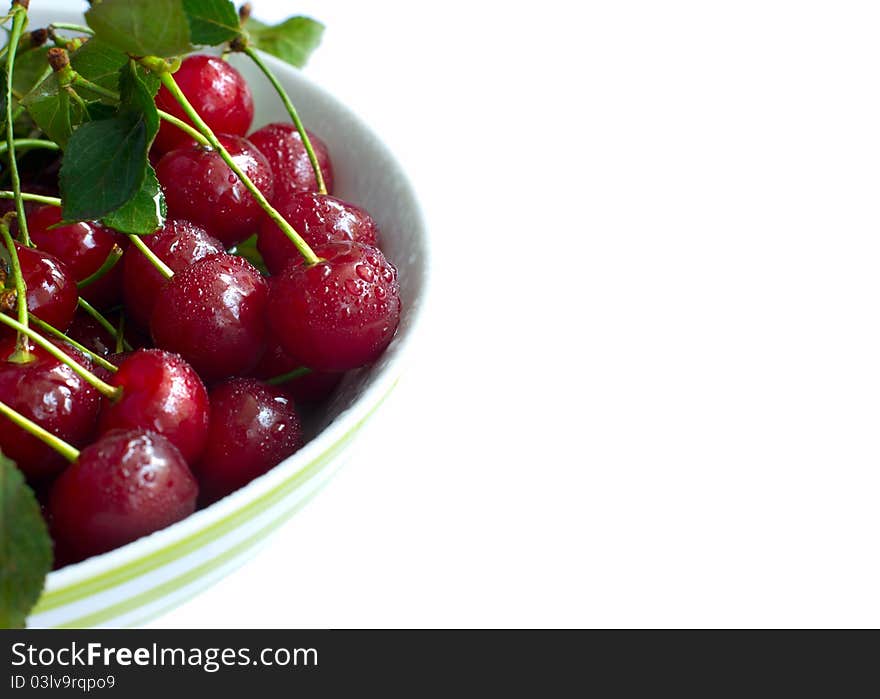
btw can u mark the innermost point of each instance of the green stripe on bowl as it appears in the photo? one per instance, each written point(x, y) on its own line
point(159, 591)
point(196, 591)
point(116, 576)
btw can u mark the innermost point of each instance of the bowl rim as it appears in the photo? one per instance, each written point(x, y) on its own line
point(334, 436)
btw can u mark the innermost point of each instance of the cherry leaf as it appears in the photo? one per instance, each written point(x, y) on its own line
point(141, 27)
point(211, 22)
point(99, 63)
point(53, 110)
point(144, 213)
point(25, 547)
point(292, 41)
point(103, 167)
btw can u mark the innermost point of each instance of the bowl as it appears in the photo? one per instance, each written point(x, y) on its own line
point(144, 579)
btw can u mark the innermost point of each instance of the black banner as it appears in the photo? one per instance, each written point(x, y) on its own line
point(130, 663)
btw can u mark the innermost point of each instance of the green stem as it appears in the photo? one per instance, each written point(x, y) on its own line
point(171, 85)
point(183, 126)
point(30, 143)
point(294, 115)
point(112, 258)
point(164, 269)
point(103, 322)
point(22, 354)
point(78, 80)
point(289, 376)
point(55, 332)
point(19, 19)
point(72, 27)
point(26, 196)
point(164, 116)
point(102, 387)
point(66, 450)
point(120, 334)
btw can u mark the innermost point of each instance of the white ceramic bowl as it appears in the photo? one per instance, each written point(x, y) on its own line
point(148, 577)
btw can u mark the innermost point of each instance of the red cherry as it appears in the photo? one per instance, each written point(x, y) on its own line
point(314, 387)
point(128, 484)
point(163, 394)
point(338, 314)
point(253, 428)
point(51, 289)
point(200, 187)
point(213, 314)
point(52, 395)
point(83, 247)
point(319, 219)
point(287, 156)
point(218, 93)
point(178, 244)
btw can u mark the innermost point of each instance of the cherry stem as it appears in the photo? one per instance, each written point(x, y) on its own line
point(183, 126)
point(66, 450)
point(49, 330)
point(19, 19)
point(72, 27)
point(164, 269)
point(26, 196)
point(79, 80)
point(102, 387)
point(30, 143)
point(113, 257)
point(120, 334)
point(289, 376)
point(22, 354)
point(103, 322)
point(168, 81)
point(294, 115)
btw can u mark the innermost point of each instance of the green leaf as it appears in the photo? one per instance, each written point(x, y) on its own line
point(99, 63)
point(53, 110)
point(99, 110)
point(144, 213)
point(30, 69)
point(211, 22)
point(135, 98)
point(248, 250)
point(103, 167)
point(292, 41)
point(25, 547)
point(141, 27)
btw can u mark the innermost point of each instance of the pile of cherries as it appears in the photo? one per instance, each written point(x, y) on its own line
point(199, 406)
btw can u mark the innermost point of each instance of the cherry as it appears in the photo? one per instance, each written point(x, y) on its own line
point(51, 289)
point(161, 393)
point(83, 247)
point(319, 219)
point(313, 387)
point(253, 427)
point(213, 314)
point(128, 484)
point(217, 91)
point(338, 314)
point(200, 187)
point(178, 244)
point(287, 156)
point(52, 395)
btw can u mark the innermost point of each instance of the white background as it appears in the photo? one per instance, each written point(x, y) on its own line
point(649, 390)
